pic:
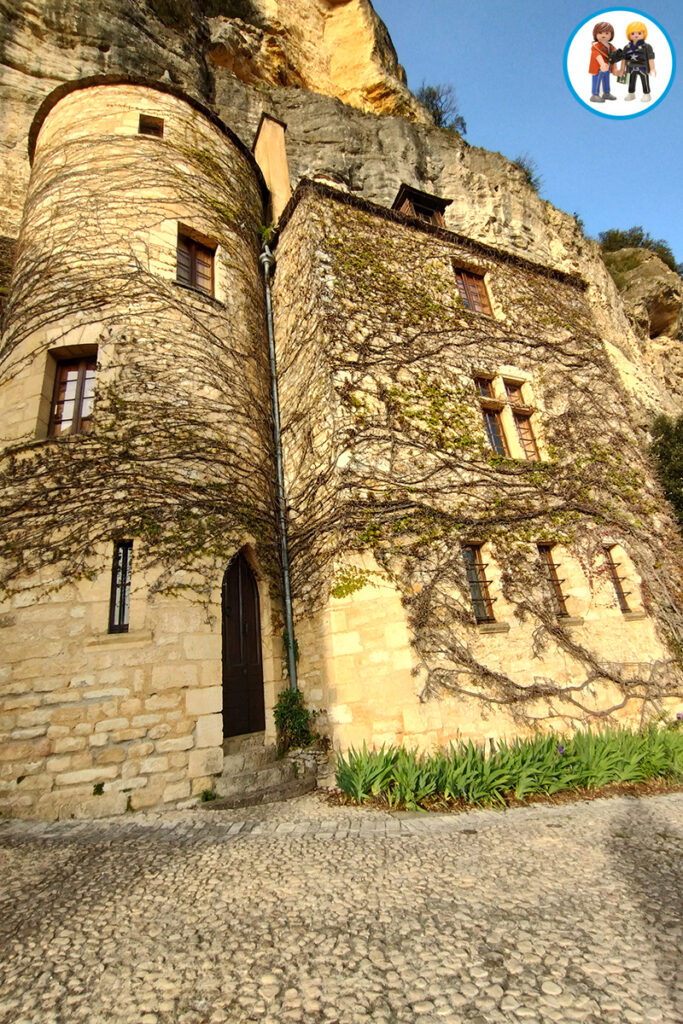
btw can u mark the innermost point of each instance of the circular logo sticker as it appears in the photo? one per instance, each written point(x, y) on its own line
point(619, 63)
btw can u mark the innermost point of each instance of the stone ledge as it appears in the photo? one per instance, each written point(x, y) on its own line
point(120, 639)
point(198, 293)
point(493, 627)
point(634, 616)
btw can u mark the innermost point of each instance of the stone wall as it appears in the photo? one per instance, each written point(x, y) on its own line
point(390, 474)
point(178, 459)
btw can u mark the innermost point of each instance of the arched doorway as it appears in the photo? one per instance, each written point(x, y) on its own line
point(243, 705)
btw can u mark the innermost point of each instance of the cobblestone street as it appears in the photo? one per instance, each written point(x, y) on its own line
point(307, 912)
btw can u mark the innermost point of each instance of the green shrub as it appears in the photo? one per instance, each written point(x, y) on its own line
point(464, 773)
point(293, 721)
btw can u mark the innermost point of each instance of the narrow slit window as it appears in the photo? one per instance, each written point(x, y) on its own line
point(475, 569)
point(555, 583)
point(473, 292)
point(72, 400)
point(119, 606)
point(617, 580)
point(149, 125)
point(195, 263)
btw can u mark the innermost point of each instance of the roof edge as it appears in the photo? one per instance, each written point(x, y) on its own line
point(307, 186)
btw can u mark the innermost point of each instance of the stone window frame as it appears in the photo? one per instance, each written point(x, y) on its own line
point(62, 361)
point(510, 415)
point(121, 577)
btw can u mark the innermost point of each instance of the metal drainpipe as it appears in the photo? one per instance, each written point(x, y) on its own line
point(267, 261)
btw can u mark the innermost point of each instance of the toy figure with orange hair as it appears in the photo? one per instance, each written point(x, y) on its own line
point(638, 59)
point(599, 67)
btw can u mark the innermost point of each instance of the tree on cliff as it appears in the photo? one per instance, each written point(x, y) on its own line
point(636, 238)
point(442, 104)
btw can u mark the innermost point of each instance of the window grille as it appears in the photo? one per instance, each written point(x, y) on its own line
point(475, 569)
point(119, 605)
point(72, 400)
point(555, 583)
point(617, 580)
point(526, 435)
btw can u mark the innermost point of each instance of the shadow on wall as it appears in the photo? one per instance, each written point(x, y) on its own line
point(648, 860)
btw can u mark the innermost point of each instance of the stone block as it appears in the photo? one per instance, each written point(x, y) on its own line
point(87, 775)
point(209, 731)
point(171, 746)
point(147, 797)
point(177, 791)
point(112, 725)
point(152, 765)
point(205, 762)
point(204, 701)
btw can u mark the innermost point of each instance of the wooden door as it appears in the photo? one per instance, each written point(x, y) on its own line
point(243, 707)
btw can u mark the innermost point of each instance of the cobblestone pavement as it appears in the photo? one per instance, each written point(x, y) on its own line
point(306, 912)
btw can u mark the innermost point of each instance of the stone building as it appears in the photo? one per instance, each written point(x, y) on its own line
point(478, 545)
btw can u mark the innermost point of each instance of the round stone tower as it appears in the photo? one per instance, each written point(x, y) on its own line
point(134, 390)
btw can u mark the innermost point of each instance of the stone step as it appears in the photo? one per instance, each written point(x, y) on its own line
point(247, 741)
point(285, 791)
point(248, 760)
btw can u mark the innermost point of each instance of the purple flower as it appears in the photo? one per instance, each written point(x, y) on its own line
point(679, 715)
point(560, 749)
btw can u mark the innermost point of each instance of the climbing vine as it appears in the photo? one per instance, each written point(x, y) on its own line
point(387, 452)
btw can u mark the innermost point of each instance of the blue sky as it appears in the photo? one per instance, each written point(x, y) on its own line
point(504, 58)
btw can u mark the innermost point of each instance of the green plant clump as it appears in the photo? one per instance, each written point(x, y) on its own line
point(667, 449)
point(464, 774)
point(293, 721)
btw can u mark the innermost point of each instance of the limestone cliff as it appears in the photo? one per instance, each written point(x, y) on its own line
point(326, 68)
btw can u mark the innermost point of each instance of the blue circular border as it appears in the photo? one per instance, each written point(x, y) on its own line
point(588, 106)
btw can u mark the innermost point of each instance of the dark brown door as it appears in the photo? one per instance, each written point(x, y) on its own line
point(243, 707)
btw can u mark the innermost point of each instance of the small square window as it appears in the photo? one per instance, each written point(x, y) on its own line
point(195, 262)
point(72, 400)
point(149, 125)
point(119, 605)
point(473, 292)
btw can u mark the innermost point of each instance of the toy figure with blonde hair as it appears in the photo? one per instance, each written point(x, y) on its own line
point(599, 67)
point(638, 60)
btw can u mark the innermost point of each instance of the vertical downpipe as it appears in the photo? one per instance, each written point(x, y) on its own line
point(267, 261)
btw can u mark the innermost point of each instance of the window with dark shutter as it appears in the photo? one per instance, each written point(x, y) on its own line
point(473, 292)
point(194, 265)
point(72, 400)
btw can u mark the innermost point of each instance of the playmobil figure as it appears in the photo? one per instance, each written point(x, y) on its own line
point(599, 67)
point(639, 60)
